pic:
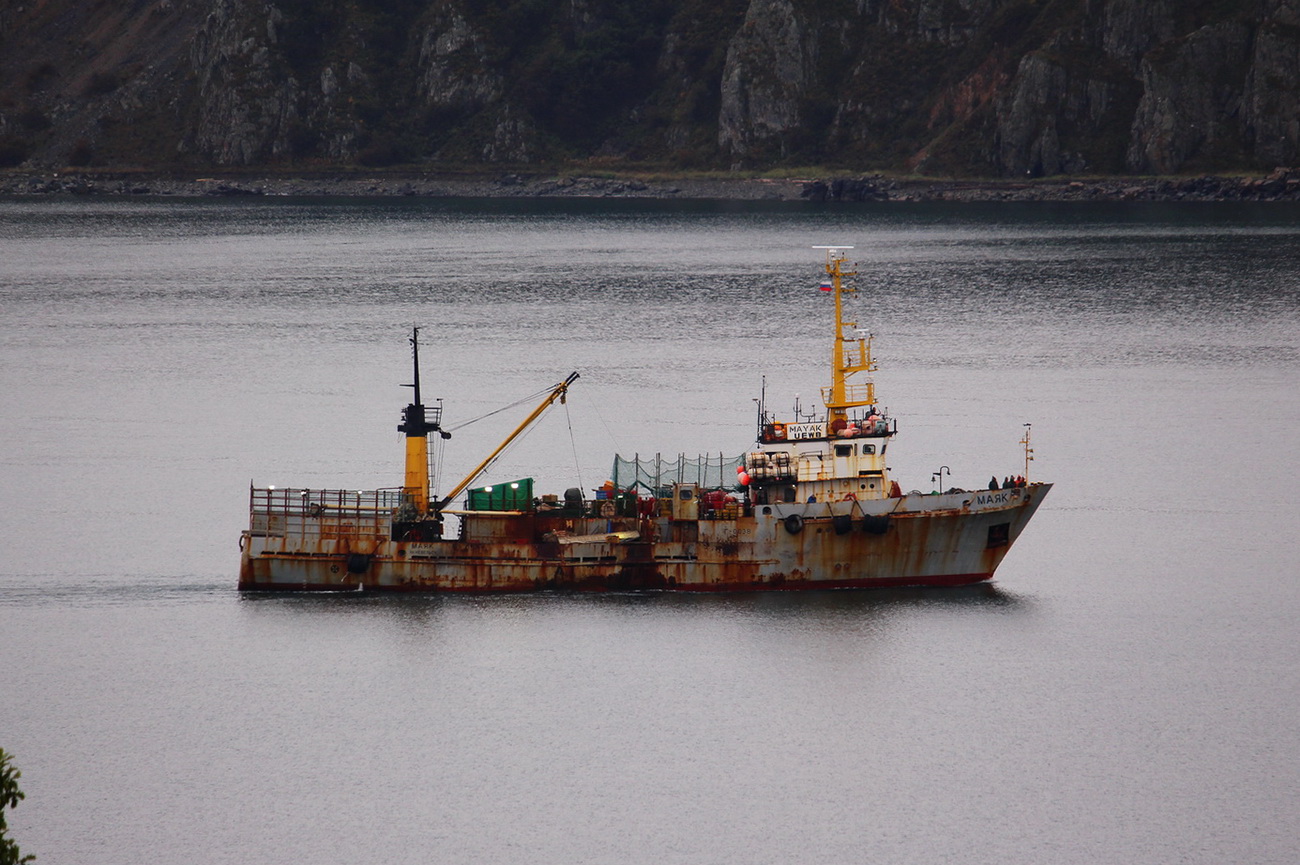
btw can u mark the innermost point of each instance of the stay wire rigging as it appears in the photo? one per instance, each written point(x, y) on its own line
point(533, 397)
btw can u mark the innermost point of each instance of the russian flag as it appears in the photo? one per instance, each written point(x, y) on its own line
point(826, 285)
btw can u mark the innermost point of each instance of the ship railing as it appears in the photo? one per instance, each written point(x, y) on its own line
point(854, 395)
point(292, 510)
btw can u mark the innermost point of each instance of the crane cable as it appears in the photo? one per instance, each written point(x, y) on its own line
point(573, 443)
point(533, 397)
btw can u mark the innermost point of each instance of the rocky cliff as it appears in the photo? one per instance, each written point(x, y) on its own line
point(964, 87)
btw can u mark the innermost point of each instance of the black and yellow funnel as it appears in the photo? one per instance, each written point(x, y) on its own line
point(417, 423)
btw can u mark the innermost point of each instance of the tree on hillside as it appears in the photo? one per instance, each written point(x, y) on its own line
point(10, 796)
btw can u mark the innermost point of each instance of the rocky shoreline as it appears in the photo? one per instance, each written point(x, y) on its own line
point(1283, 184)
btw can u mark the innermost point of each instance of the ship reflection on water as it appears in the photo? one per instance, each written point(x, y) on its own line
point(808, 605)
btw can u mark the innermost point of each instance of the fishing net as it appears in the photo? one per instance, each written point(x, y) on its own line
point(657, 474)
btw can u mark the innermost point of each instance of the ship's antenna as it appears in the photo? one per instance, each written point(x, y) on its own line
point(1029, 452)
point(415, 358)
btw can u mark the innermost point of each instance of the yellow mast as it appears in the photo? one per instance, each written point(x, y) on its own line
point(849, 354)
point(416, 483)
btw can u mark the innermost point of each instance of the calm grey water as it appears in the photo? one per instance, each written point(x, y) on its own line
point(1126, 691)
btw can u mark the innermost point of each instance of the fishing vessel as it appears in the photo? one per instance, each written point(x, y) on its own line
point(810, 505)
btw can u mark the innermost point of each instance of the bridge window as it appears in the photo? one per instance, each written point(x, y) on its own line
point(844, 450)
point(868, 450)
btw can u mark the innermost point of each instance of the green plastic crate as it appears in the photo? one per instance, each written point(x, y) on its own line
point(507, 496)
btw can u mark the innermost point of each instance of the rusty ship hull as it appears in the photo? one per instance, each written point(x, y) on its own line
point(952, 539)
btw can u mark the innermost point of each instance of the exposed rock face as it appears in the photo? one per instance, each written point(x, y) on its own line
point(1029, 139)
point(454, 70)
point(1191, 99)
point(966, 87)
point(1271, 99)
point(1130, 28)
point(457, 80)
point(765, 77)
point(938, 21)
point(246, 100)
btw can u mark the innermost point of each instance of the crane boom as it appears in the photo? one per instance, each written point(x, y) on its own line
point(557, 392)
